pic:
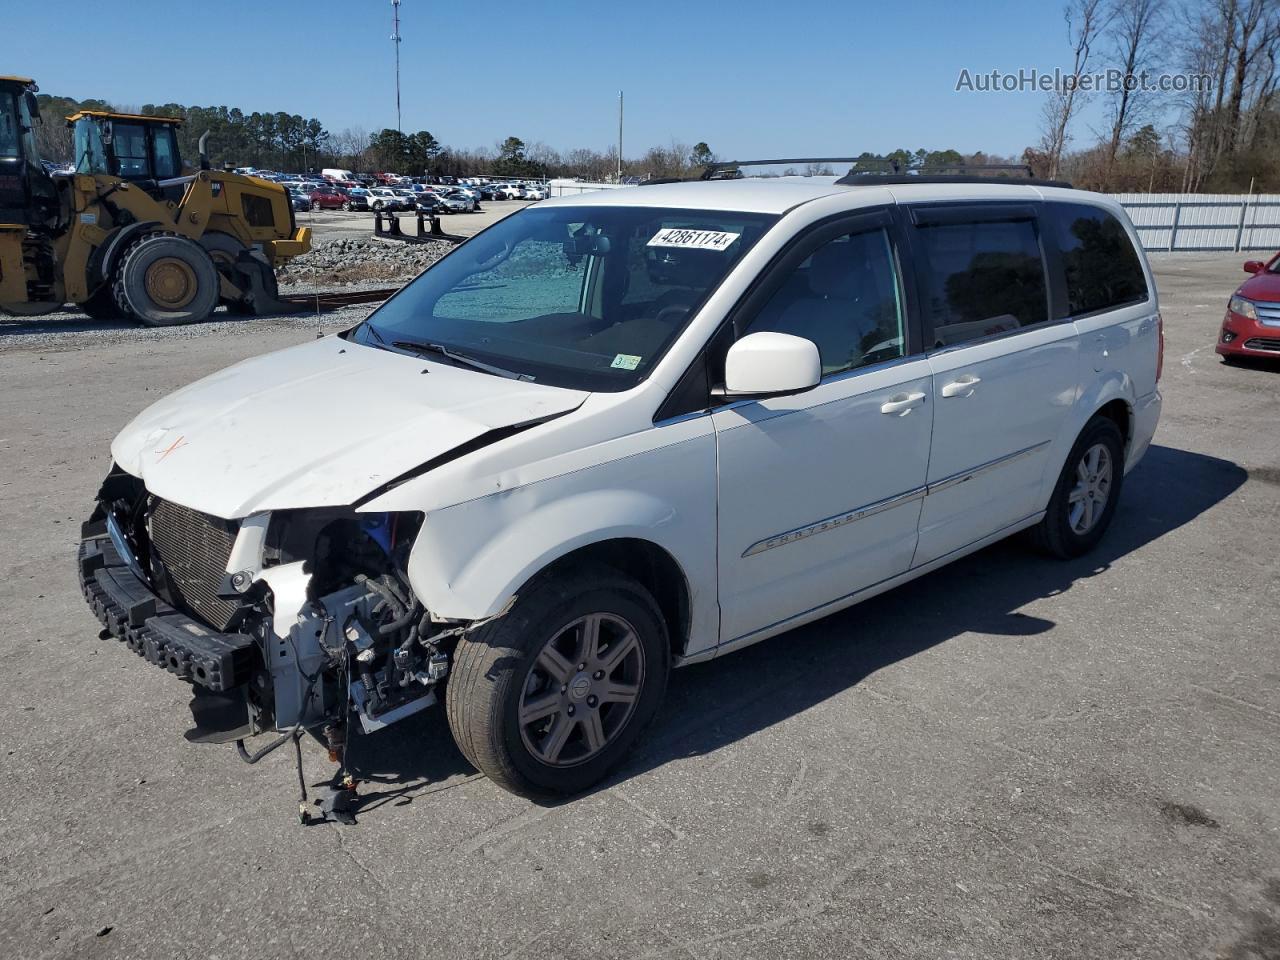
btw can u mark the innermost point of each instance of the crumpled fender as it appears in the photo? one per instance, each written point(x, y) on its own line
point(513, 552)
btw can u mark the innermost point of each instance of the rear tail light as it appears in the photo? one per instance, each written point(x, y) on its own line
point(1160, 347)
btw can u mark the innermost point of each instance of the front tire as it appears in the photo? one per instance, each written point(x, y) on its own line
point(1084, 499)
point(547, 699)
point(164, 279)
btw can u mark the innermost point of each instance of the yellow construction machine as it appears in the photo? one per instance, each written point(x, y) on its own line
point(130, 232)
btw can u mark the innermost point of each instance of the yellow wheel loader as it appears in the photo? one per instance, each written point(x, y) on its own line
point(129, 232)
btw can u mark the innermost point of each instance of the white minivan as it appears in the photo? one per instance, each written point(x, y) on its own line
point(620, 432)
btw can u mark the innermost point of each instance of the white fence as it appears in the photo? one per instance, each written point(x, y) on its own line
point(567, 188)
point(1165, 221)
point(1204, 221)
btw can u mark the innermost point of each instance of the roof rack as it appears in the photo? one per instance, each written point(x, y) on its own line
point(1010, 174)
point(715, 170)
point(883, 171)
point(882, 180)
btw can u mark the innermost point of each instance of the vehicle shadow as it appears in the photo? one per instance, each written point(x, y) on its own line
point(712, 705)
point(1269, 364)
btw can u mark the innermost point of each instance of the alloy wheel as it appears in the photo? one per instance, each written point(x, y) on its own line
point(1089, 495)
point(582, 689)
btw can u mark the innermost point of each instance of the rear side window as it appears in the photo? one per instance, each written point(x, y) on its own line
point(1103, 269)
point(981, 278)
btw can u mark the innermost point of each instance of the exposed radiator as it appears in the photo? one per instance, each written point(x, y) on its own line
point(193, 549)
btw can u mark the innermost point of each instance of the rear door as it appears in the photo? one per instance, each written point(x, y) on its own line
point(1004, 373)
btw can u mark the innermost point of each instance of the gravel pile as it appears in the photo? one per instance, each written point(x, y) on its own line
point(348, 261)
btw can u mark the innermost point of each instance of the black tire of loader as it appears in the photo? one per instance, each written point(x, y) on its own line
point(129, 284)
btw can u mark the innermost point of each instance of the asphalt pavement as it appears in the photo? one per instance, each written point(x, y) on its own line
point(1012, 757)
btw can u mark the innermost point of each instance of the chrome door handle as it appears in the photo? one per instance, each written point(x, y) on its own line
point(962, 387)
point(902, 404)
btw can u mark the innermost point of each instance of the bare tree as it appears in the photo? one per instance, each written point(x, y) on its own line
point(1085, 19)
point(1136, 25)
point(1255, 29)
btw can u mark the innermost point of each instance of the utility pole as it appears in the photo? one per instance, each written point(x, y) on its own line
point(619, 136)
point(395, 38)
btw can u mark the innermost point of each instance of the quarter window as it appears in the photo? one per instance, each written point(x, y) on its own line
point(845, 297)
point(1103, 269)
point(981, 278)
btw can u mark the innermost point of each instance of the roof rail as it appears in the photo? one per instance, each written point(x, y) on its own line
point(868, 171)
point(1009, 174)
point(883, 180)
point(714, 170)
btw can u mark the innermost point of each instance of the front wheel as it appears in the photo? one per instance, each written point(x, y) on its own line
point(550, 697)
point(1084, 499)
point(164, 279)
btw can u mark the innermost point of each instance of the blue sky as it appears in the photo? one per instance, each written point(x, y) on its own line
point(750, 78)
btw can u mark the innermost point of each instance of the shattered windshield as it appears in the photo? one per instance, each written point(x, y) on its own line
point(587, 297)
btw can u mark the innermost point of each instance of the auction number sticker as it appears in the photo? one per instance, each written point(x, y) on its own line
point(693, 239)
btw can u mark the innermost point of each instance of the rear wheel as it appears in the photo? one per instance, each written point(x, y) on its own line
point(1085, 497)
point(164, 279)
point(547, 699)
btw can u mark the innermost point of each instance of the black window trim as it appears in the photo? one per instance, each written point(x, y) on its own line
point(689, 397)
point(942, 213)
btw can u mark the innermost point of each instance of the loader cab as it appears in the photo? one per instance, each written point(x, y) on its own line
point(27, 192)
point(134, 148)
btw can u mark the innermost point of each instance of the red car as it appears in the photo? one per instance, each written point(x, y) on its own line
point(1251, 327)
point(326, 198)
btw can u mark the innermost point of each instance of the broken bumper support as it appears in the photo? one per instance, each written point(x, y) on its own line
point(153, 629)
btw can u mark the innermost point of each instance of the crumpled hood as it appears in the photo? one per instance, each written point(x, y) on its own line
point(321, 424)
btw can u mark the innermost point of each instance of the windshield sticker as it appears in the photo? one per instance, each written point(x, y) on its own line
point(693, 239)
point(625, 361)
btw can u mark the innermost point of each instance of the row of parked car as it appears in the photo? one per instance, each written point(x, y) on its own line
point(388, 193)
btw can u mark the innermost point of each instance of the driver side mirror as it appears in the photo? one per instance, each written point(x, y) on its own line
point(1253, 266)
point(770, 364)
point(33, 107)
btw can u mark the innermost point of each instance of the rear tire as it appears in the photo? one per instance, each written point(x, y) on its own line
point(164, 279)
point(1084, 499)
point(584, 721)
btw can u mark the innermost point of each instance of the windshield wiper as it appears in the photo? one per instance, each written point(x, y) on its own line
point(422, 347)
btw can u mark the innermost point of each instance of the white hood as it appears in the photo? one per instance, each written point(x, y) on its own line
point(321, 424)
